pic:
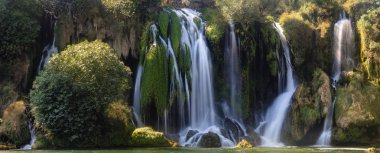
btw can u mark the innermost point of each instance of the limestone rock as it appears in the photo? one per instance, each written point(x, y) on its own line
point(210, 140)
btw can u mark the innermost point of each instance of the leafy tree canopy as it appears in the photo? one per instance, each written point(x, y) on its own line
point(70, 95)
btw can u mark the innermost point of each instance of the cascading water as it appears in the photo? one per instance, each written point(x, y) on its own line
point(192, 89)
point(201, 112)
point(47, 52)
point(137, 90)
point(343, 52)
point(275, 116)
point(136, 97)
point(232, 67)
point(32, 138)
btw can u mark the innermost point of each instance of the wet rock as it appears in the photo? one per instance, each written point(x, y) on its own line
point(210, 140)
point(311, 102)
point(357, 115)
point(233, 129)
point(191, 133)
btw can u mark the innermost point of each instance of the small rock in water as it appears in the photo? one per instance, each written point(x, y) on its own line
point(371, 150)
point(210, 140)
point(191, 133)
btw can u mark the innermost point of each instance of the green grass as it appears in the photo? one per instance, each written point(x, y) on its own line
point(204, 150)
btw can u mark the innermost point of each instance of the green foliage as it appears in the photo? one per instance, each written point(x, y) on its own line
point(215, 24)
point(163, 22)
point(247, 11)
point(147, 137)
point(7, 95)
point(123, 8)
point(19, 29)
point(155, 82)
point(310, 105)
point(119, 117)
point(15, 124)
point(70, 95)
point(369, 30)
point(175, 32)
point(357, 112)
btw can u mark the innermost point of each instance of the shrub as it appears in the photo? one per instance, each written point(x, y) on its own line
point(69, 97)
point(15, 124)
point(19, 30)
point(247, 11)
point(122, 8)
point(147, 137)
point(118, 116)
point(244, 144)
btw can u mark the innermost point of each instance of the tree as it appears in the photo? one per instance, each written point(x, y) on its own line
point(71, 94)
point(246, 11)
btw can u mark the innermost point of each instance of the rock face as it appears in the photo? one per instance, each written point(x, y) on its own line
point(233, 130)
point(95, 24)
point(191, 133)
point(310, 106)
point(210, 140)
point(357, 114)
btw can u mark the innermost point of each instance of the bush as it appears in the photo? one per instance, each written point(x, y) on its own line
point(19, 29)
point(247, 11)
point(147, 137)
point(15, 124)
point(118, 116)
point(122, 8)
point(244, 144)
point(71, 94)
point(369, 30)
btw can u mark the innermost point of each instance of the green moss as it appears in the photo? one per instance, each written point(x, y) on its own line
point(146, 39)
point(215, 24)
point(175, 32)
point(154, 83)
point(198, 22)
point(309, 115)
point(368, 27)
point(147, 137)
point(163, 22)
point(356, 112)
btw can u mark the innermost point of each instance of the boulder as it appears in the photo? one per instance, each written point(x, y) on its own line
point(357, 114)
point(191, 133)
point(311, 102)
point(210, 140)
point(233, 129)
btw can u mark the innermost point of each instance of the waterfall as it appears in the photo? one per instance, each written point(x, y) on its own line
point(275, 116)
point(344, 45)
point(232, 67)
point(343, 52)
point(136, 97)
point(201, 112)
point(325, 137)
point(47, 52)
point(32, 138)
